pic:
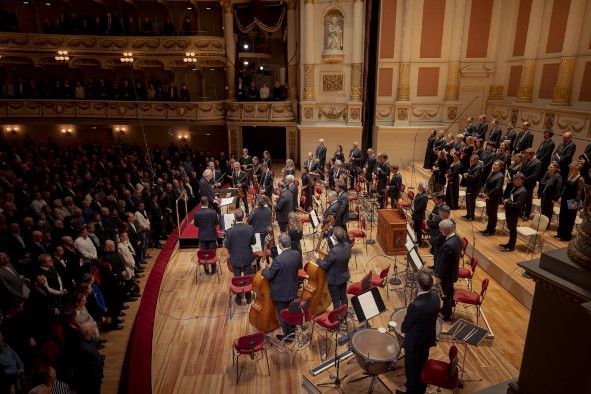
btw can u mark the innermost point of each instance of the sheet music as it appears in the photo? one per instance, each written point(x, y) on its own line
point(258, 246)
point(410, 245)
point(411, 232)
point(226, 201)
point(228, 221)
point(314, 218)
point(416, 260)
point(368, 305)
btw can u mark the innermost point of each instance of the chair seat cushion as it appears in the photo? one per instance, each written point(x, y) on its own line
point(480, 204)
point(305, 219)
point(501, 216)
point(526, 231)
point(256, 348)
point(209, 261)
point(322, 321)
point(355, 288)
point(353, 197)
point(466, 296)
point(462, 193)
point(240, 289)
point(376, 281)
point(436, 373)
point(302, 274)
point(464, 273)
point(405, 204)
point(356, 234)
point(260, 253)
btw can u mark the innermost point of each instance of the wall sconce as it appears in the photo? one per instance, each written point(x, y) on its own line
point(62, 56)
point(12, 131)
point(183, 138)
point(127, 57)
point(190, 57)
point(67, 132)
point(120, 131)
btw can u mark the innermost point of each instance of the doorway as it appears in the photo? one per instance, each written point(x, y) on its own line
point(259, 138)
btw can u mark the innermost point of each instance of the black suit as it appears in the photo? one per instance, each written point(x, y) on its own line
point(564, 156)
point(206, 190)
point(419, 205)
point(473, 181)
point(549, 191)
point(394, 189)
point(313, 166)
point(206, 220)
point(448, 261)
point(343, 210)
point(370, 165)
point(493, 189)
point(294, 191)
point(283, 208)
point(495, 136)
point(524, 140)
point(331, 210)
point(239, 241)
point(419, 328)
point(88, 368)
point(355, 158)
point(321, 155)
point(452, 191)
point(510, 136)
point(283, 278)
point(544, 153)
point(260, 219)
point(240, 180)
point(336, 266)
point(531, 169)
point(481, 130)
point(513, 206)
point(266, 182)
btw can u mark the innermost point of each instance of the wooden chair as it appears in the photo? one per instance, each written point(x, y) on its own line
point(535, 232)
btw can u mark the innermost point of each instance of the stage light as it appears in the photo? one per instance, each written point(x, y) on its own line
point(245, 45)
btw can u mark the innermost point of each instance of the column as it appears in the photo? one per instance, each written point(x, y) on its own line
point(230, 47)
point(291, 49)
point(528, 70)
point(455, 53)
point(504, 14)
point(357, 58)
point(566, 70)
point(309, 50)
point(405, 53)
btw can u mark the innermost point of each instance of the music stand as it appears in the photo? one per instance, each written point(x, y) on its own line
point(469, 334)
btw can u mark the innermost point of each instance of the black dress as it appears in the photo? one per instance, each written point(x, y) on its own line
point(428, 164)
point(296, 237)
point(452, 192)
point(566, 219)
point(339, 156)
point(307, 190)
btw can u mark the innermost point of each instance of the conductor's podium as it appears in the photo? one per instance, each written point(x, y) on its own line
point(392, 231)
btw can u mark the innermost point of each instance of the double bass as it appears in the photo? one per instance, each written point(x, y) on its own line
point(262, 311)
point(316, 288)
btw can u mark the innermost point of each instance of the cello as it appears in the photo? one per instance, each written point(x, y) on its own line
point(316, 288)
point(262, 311)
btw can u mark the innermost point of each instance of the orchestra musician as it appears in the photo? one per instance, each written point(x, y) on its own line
point(395, 186)
point(206, 190)
point(240, 182)
point(321, 155)
point(544, 152)
point(338, 154)
point(470, 127)
point(481, 128)
point(289, 168)
point(283, 206)
point(307, 189)
point(336, 173)
point(245, 160)
point(495, 134)
point(217, 174)
point(293, 188)
point(440, 171)
point(448, 261)
point(492, 193)
point(419, 328)
point(466, 154)
point(524, 139)
point(312, 164)
point(531, 169)
point(514, 204)
point(283, 278)
point(452, 191)
point(206, 220)
point(369, 168)
point(267, 158)
point(266, 181)
point(473, 183)
point(418, 208)
point(332, 209)
point(343, 199)
point(509, 138)
point(256, 169)
point(336, 266)
point(239, 241)
point(354, 164)
point(295, 230)
point(585, 164)
point(433, 220)
point(549, 190)
point(261, 216)
point(564, 154)
point(382, 173)
point(428, 163)
point(438, 240)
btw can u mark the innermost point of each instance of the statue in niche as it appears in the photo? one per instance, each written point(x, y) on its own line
point(333, 36)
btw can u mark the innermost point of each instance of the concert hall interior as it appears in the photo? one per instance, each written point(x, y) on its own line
point(315, 196)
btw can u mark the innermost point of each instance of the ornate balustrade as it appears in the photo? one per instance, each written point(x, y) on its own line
point(260, 111)
point(116, 110)
point(167, 52)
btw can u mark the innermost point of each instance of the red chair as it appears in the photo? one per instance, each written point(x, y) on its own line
point(207, 257)
point(297, 314)
point(465, 244)
point(360, 287)
point(331, 323)
point(465, 273)
point(359, 233)
point(239, 286)
point(470, 297)
point(425, 226)
point(407, 204)
point(402, 188)
point(381, 280)
point(441, 374)
point(249, 345)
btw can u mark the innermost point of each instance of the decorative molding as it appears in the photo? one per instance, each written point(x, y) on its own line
point(403, 82)
point(564, 81)
point(453, 82)
point(332, 82)
point(226, 6)
point(88, 109)
point(292, 88)
point(549, 118)
point(308, 82)
point(528, 70)
point(452, 113)
point(402, 114)
point(308, 112)
point(495, 92)
point(291, 4)
point(334, 28)
point(260, 111)
point(428, 113)
point(356, 69)
point(332, 112)
point(292, 140)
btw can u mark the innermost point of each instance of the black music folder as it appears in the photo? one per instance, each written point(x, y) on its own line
point(368, 305)
point(468, 332)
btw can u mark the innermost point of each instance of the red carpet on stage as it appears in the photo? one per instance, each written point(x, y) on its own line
point(136, 376)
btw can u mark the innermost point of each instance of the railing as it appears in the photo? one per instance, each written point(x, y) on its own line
point(260, 111)
point(106, 109)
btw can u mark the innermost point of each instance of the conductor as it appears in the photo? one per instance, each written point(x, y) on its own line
point(419, 327)
point(206, 220)
point(239, 241)
point(336, 266)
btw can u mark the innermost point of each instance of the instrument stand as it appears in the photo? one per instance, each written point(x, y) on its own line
point(373, 380)
point(337, 379)
point(370, 240)
point(469, 334)
point(394, 280)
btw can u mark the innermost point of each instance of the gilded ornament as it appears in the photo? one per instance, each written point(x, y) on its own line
point(514, 115)
point(356, 81)
point(402, 114)
point(453, 81)
point(495, 92)
point(308, 82)
point(308, 112)
point(549, 120)
point(226, 6)
point(452, 113)
point(332, 83)
point(564, 81)
point(403, 82)
point(291, 4)
point(354, 113)
point(524, 92)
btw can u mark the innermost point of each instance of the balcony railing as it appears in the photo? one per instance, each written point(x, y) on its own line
point(260, 111)
point(89, 109)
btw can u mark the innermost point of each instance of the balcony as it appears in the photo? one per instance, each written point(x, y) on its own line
point(209, 111)
point(150, 51)
point(260, 111)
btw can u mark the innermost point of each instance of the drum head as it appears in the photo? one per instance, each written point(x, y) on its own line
point(398, 317)
point(372, 344)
